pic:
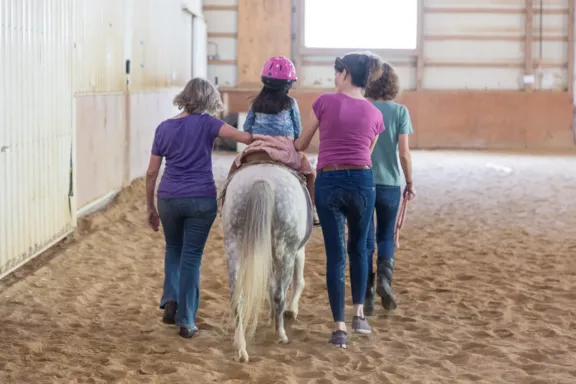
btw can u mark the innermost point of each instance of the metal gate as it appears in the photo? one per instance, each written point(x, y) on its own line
point(36, 128)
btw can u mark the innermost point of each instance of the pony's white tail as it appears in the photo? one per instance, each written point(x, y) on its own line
point(255, 256)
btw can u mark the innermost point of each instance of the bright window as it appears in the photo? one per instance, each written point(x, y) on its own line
point(361, 24)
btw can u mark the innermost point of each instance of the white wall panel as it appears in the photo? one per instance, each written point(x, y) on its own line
point(226, 74)
point(226, 47)
point(36, 128)
point(472, 78)
point(496, 39)
point(221, 21)
point(322, 76)
point(200, 49)
point(148, 109)
point(478, 24)
point(99, 41)
point(552, 51)
point(474, 51)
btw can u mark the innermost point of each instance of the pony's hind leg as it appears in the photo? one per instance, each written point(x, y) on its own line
point(279, 305)
point(239, 336)
point(283, 277)
point(272, 293)
point(298, 284)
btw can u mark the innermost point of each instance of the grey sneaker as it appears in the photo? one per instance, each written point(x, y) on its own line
point(360, 325)
point(187, 333)
point(339, 339)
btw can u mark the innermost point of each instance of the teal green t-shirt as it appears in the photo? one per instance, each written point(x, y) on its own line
point(385, 163)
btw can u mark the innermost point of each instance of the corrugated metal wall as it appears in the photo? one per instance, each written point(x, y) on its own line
point(99, 27)
point(36, 127)
point(461, 37)
point(156, 35)
point(115, 122)
point(65, 109)
point(161, 57)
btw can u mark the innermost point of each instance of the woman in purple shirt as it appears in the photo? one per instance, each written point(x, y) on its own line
point(349, 126)
point(186, 195)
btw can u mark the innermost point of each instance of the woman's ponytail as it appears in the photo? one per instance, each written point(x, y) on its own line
point(373, 68)
point(363, 67)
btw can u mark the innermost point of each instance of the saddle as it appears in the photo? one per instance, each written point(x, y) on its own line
point(261, 157)
point(257, 158)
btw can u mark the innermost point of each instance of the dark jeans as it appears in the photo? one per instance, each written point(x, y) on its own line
point(387, 204)
point(346, 194)
point(186, 224)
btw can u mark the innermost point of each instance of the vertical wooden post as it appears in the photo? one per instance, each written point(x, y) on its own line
point(264, 30)
point(420, 48)
point(528, 43)
point(298, 14)
point(571, 48)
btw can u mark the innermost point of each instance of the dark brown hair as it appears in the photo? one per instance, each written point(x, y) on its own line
point(199, 96)
point(362, 67)
point(386, 87)
point(271, 101)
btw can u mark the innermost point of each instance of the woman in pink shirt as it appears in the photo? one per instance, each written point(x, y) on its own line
point(344, 190)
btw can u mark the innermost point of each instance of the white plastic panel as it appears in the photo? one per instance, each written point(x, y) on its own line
point(221, 21)
point(226, 74)
point(199, 48)
point(473, 78)
point(322, 75)
point(36, 127)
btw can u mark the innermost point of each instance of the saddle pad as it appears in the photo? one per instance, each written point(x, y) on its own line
point(302, 179)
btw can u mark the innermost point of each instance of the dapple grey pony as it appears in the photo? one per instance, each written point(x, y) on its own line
point(266, 217)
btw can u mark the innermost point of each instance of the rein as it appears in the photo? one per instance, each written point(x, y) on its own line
point(400, 222)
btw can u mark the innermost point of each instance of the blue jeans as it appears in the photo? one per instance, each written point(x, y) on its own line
point(386, 210)
point(346, 194)
point(186, 224)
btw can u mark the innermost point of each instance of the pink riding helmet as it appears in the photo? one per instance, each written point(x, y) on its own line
point(279, 68)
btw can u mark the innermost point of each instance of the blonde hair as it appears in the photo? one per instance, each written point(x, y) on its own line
point(199, 96)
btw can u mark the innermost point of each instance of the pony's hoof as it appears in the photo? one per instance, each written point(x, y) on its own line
point(290, 315)
point(283, 340)
point(242, 357)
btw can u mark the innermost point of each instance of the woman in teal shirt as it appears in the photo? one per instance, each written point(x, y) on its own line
point(391, 144)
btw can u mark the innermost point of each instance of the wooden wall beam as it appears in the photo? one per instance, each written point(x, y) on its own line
point(234, 35)
point(571, 48)
point(222, 62)
point(216, 35)
point(219, 8)
point(492, 64)
point(446, 64)
point(420, 47)
point(264, 30)
point(528, 43)
point(516, 11)
point(297, 35)
point(330, 63)
point(492, 37)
